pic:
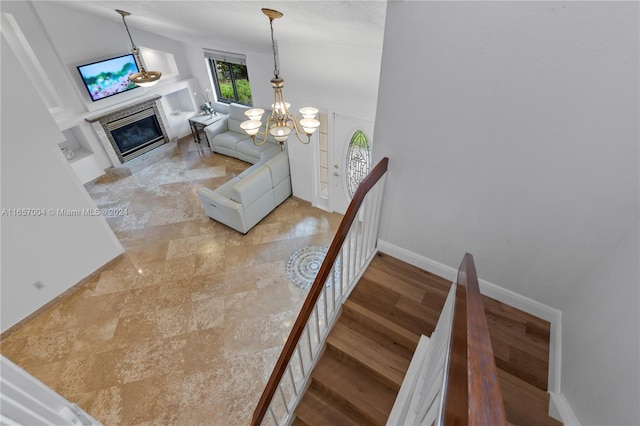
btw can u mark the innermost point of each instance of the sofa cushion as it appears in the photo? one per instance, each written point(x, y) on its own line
point(228, 139)
point(249, 148)
point(247, 158)
point(279, 167)
point(259, 209)
point(250, 170)
point(252, 187)
point(223, 209)
point(282, 191)
point(236, 111)
point(214, 129)
point(236, 116)
point(226, 189)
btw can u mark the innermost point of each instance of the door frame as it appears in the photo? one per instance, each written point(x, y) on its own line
point(333, 116)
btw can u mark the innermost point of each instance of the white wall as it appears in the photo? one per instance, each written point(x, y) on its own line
point(47, 54)
point(512, 132)
point(331, 77)
point(79, 38)
point(58, 251)
point(601, 334)
point(334, 79)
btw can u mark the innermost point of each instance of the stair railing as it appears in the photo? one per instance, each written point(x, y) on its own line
point(452, 378)
point(350, 252)
point(472, 392)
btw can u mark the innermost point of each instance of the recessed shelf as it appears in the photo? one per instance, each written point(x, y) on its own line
point(179, 103)
point(76, 142)
point(79, 154)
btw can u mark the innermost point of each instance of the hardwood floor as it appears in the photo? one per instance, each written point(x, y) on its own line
point(371, 345)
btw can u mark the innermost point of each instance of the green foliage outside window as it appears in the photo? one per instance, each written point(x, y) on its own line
point(232, 82)
point(244, 91)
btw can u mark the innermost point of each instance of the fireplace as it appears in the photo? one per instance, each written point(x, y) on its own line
point(130, 131)
point(136, 134)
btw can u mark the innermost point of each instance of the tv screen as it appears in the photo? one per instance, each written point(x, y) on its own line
point(109, 77)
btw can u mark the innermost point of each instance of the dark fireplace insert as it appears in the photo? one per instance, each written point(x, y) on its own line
point(136, 134)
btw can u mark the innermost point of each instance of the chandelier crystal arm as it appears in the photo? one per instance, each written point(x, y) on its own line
point(298, 132)
point(266, 134)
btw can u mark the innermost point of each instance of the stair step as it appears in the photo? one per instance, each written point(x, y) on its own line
point(385, 302)
point(516, 389)
point(524, 403)
point(388, 365)
point(406, 286)
point(316, 408)
point(356, 387)
point(523, 417)
point(298, 422)
point(393, 331)
point(409, 273)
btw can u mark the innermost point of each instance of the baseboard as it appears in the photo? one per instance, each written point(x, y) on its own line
point(56, 300)
point(560, 410)
point(501, 294)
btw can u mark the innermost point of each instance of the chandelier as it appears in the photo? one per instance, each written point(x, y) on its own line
point(280, 122)
point(143, 78)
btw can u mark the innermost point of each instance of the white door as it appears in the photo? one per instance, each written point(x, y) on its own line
point(346, 162)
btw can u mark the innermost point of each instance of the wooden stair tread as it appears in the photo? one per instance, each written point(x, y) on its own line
point(409, 287)
point(389, 365)
point(316, 409)
point(514, 388)
point(409, 272)
point(520, 416)
point(356, 387)
point(524, 403)
point(383, 301)
point(380, 324)
point(298, 422)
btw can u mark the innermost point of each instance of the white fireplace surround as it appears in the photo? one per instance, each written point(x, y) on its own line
point(103, 123)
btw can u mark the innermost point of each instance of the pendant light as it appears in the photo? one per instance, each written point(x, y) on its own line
point(143, 78)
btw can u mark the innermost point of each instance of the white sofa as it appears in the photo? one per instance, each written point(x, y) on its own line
point(246, 199)
point(226, 137)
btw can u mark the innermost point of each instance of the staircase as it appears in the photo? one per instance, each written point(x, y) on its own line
point(369, 350)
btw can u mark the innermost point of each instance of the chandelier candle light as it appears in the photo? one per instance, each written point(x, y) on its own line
point(143, 78)
point(280, 123)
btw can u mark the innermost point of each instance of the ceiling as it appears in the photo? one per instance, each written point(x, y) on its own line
point(347, 23)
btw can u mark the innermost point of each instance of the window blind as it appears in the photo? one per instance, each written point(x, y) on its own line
point(234, 58)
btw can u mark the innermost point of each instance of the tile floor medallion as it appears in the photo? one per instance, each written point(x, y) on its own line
point(303, 266)
point(185, 327)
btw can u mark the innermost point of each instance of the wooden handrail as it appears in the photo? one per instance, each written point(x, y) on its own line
point(305, 312)
point(472, 395)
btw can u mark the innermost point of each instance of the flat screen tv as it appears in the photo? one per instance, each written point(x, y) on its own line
point(108, 77)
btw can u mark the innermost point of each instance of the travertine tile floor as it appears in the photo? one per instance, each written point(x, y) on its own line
point(184, 328)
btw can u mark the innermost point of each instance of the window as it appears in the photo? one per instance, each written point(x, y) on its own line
point(358, 161)
point(230, 77)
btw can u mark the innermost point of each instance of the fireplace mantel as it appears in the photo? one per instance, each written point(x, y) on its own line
point(126, 109)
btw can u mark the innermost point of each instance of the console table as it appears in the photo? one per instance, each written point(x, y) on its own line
point(199, 122)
